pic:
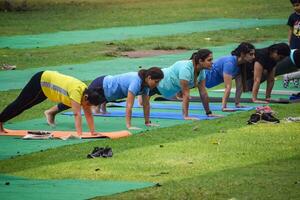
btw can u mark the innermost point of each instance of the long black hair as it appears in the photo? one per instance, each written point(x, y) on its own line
point(200, 54)
point(243, 47)
point(153, 72)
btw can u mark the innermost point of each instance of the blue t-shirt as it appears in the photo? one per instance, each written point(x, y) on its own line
point(181, 70)
point(294, 23)
point(117, 87)
point(224, 65)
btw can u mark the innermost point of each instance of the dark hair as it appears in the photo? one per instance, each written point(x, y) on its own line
point(153, 72)
point(281, 49)
point(95, 96)
point(295, 1)
point(200, 54)
point(244, 47)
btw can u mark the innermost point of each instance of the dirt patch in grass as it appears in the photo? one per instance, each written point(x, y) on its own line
point(149, 53)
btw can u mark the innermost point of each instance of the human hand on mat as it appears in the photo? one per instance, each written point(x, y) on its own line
point(228, 110)
point(133, 128)
point(190, 118)
point(95, 133)
point(151, 124)
point(215, 115)
point(268, 100)
point(259, 101)
point(239, 106)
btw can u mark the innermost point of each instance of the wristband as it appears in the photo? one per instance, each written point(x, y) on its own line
point(208, 112)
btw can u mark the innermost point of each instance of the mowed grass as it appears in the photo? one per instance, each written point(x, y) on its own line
point(54, 15)
point(82, 53)
point(217, 159)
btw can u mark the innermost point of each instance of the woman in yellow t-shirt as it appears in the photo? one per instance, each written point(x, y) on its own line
point(58, 88)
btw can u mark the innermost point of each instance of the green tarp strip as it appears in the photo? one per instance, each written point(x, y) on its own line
point(121, 33)
point(16, 79)
point(12, 188)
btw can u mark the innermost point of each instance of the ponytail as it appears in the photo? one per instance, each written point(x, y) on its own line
point(153, 72)
point(200, 54)
point(243, 47)
point(196, 56)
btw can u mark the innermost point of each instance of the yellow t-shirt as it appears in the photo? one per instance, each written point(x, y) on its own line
point(61, 88)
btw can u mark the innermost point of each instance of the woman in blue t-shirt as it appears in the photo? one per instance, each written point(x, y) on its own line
point(227, 68)
point(118, 87)
point(182, 76)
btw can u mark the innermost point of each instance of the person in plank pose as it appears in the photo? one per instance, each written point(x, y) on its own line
point(264, 68)
point(183, 75)
point(127, 85)
point(227, 68)
point(58, 88)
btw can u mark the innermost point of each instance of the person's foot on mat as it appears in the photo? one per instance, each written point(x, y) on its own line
point(2, 130)
point(50, 118)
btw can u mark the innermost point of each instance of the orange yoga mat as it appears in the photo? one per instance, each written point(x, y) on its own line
point(67, 134)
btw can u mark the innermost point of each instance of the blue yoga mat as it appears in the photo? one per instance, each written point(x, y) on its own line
point(179, 106)
point(160, 115)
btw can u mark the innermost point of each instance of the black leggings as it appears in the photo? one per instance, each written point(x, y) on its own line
point(31, 95)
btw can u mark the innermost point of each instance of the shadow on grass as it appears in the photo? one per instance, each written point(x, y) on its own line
point(151, 138)
point(148, 138)
point(274, 179)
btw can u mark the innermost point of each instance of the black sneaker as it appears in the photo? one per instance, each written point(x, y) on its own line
point(97, 152)
point(107, 152)
point(254, 118)
point(268, 117)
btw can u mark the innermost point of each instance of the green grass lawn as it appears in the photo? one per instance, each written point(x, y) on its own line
point(82, 53)
point(53, 15)
point(217, 159)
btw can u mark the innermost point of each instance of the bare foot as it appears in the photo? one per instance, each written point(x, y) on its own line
point(2, 130)
point(50, 118)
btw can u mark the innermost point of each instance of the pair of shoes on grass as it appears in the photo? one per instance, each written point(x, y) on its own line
point(104, 152)
point(263, 114)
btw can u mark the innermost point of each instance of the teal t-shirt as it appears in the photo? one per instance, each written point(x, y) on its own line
point(181, 70)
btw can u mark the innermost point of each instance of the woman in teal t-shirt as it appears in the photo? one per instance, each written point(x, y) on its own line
point(186, 74)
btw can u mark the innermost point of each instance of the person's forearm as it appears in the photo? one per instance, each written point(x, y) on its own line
point(78, 120)
point(238, 94)
point(225, 97)
point(128, 117)
point(255, 90)
point(185, 105)
point(146, 108)
point(89, 118)
point(270, 85)
point(205, 101)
